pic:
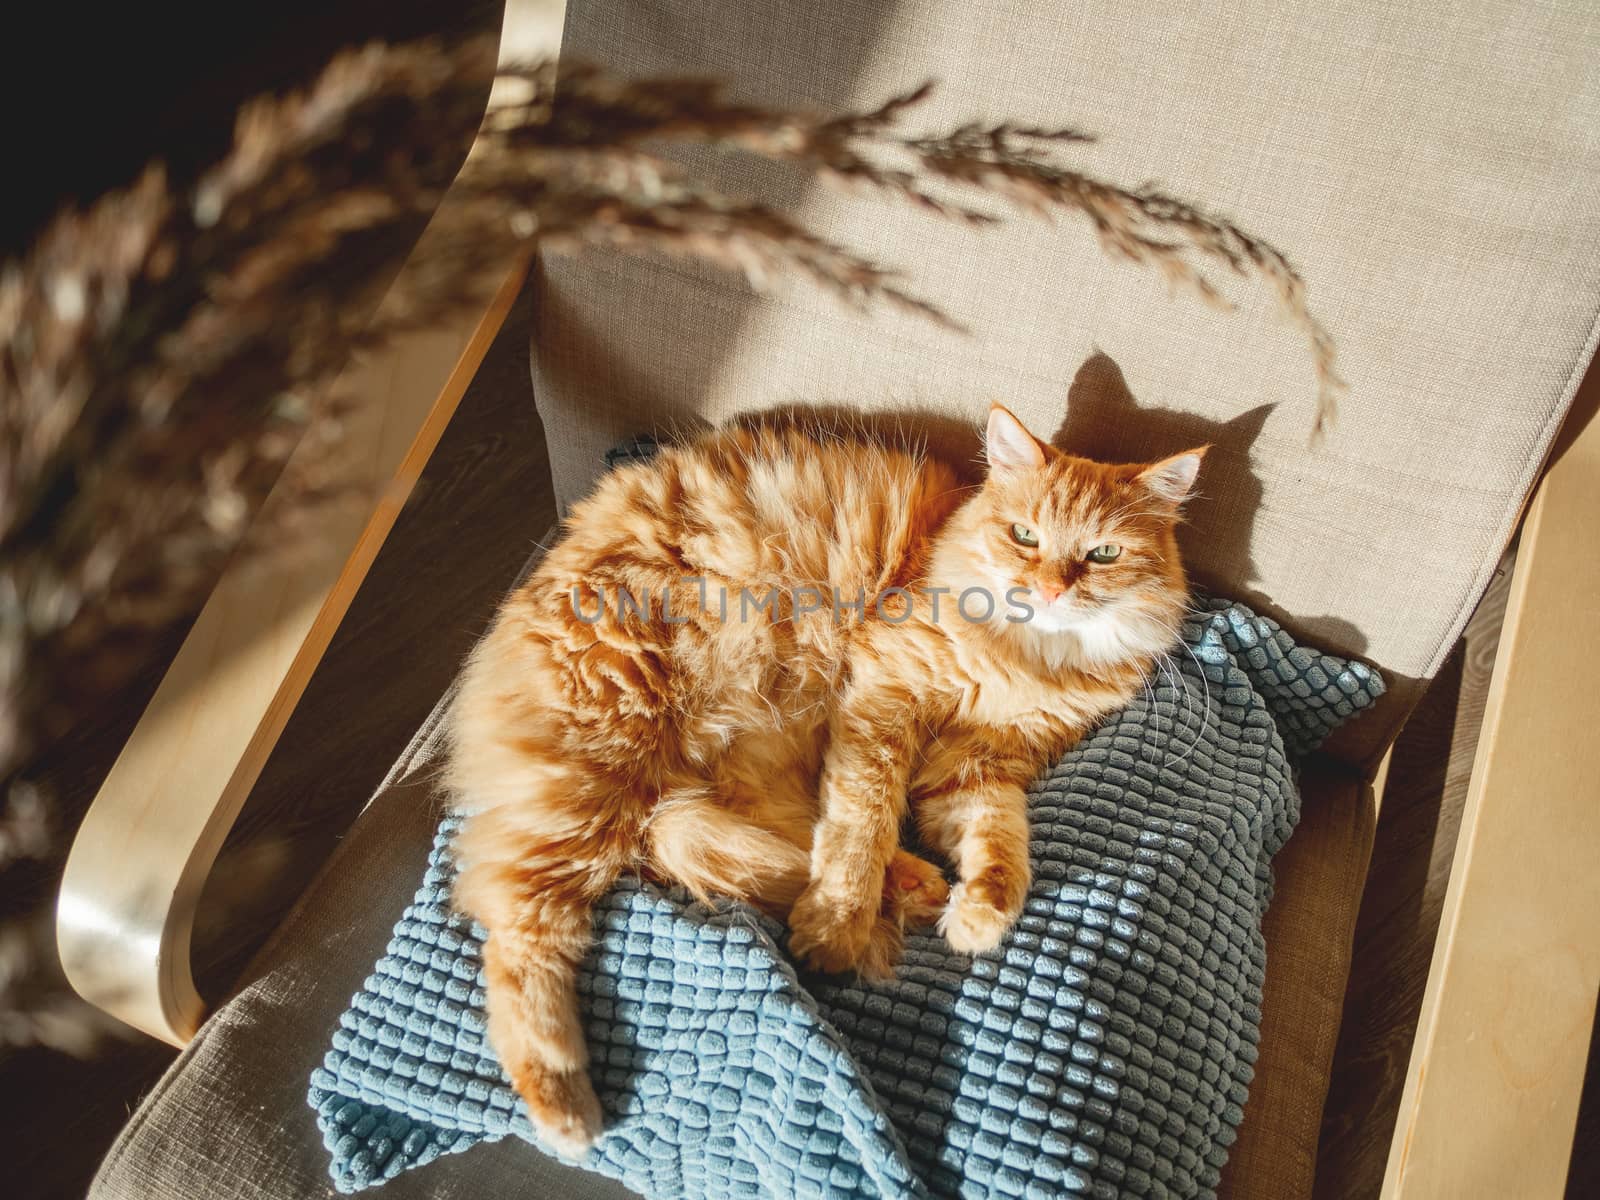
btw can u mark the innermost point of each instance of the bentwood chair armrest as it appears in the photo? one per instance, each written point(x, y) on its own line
point(140, 859)
point(1497, 1068)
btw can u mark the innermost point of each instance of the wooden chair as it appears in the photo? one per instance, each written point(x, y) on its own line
point(1497, 1067)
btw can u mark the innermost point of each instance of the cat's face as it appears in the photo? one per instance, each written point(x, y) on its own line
point(1088, 547)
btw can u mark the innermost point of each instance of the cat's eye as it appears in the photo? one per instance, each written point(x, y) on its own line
point(1106, 553)
point(1024, 536)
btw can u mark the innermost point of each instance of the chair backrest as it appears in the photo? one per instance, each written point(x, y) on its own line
point(1431, 170)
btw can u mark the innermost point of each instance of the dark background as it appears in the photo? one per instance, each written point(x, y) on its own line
point(92, 93)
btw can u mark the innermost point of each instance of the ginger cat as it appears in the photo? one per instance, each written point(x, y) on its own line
point(749, 657)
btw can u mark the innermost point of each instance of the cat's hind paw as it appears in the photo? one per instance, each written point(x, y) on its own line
point(562, 1106)
point(914, 890)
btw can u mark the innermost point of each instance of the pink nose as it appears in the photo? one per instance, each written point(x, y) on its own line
point(1051, 592)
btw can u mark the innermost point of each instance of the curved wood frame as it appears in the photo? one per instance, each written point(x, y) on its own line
point(140, 859)
point(1497, 1066)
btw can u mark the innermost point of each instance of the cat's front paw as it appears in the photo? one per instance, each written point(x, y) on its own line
point(830, 931)
point(884, 947)
point(983, 910)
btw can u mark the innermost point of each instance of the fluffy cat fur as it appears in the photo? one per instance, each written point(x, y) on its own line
point(772, 755)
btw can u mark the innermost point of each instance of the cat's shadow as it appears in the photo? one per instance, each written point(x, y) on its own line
point(1104, 420)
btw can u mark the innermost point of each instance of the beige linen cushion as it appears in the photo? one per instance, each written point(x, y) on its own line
point(1431, 169)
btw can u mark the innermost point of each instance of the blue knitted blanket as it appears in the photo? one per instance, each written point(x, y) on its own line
point(1105, 1049)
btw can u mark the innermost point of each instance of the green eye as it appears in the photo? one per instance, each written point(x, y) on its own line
point(1106, 553)
point(1024, 536)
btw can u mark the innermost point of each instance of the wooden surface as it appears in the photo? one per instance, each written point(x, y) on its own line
point(458, 544)
point(146, 846)
point(143, 852)
point(1317, 880)
point(1412, 852)
point(1492, 1090)
point(463, 536)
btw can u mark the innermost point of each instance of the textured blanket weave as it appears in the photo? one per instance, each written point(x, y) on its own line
point(1105, 1050)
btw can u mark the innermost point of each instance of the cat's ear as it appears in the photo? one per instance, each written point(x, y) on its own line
point(1173, 478)
point(1008, 444)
